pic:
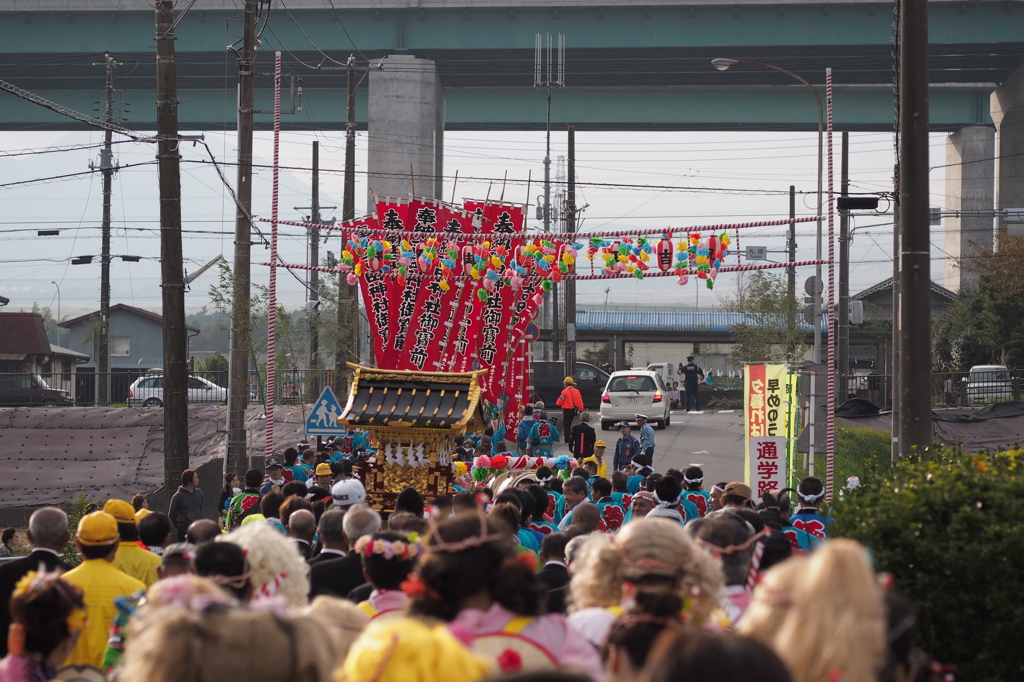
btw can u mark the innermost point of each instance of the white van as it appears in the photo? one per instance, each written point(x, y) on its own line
point(666, 370)
point(989, 384)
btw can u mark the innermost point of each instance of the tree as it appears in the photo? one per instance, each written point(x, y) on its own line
point(771, 330)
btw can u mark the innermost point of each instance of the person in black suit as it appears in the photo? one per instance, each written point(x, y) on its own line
point(554, 574)
point(48, 533)
point(336, 577)
point(332, 536)
point(302, 528)
point(582, 438)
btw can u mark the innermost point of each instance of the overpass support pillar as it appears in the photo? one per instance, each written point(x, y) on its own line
point(1007, 109)
point(970, 193)
point(406, 129)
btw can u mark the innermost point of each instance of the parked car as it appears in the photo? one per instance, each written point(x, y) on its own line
point(28, 390)
point(548, 378)
point(633, 392)
point(148, 391)
point(989, 384)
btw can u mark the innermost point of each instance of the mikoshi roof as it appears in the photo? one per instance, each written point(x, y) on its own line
point(399, 398)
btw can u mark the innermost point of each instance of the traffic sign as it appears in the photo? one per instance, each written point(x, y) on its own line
point(532, 333)
point(323, 417)
point(757, 253)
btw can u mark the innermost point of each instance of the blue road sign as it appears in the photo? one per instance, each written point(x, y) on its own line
point(323, 418)
point(532, 333)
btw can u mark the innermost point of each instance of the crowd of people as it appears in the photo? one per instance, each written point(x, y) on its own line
point(605, 571)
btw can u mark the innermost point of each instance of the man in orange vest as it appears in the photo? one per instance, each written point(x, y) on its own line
point(571, 403)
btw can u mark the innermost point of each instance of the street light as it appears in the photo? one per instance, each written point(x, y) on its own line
point(58, 309)
point(723, 64)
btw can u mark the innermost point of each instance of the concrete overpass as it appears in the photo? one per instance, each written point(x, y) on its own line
point(630, 64)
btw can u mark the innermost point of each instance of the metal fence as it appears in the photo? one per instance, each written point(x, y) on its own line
point(949, 389)
point(141, 388)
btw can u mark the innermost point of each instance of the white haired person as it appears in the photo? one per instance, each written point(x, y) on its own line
point(823, 614)
point(650, 569)
point(275, 565)
point(810, 494)
point(472, 577)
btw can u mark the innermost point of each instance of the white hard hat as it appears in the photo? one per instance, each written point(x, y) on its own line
point(348, 492)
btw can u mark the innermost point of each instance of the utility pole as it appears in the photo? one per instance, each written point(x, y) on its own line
point(544, 78)
point(791, 273)
point(314, 276)
point(843, 370)
point(238, 360)
point(570, 284)
point(172, 271)
point(348, 302)
point(915, 318)
point(108, 169)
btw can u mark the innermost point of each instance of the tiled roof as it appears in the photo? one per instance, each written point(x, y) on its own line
point(411, 399)
point(67, 324)
point(23, 334)
point(886, 285)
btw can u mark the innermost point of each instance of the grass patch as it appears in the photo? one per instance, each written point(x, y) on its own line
point(860, 452)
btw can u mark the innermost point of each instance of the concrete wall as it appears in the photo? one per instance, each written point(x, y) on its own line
point(1007, 107)
point(406, 129)
point(970, 190)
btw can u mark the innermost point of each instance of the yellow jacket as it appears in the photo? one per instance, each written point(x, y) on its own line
point(101, 583)
point(137, 562)
point(602, 468)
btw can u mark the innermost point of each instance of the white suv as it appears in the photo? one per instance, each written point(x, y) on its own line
point(148, 391)
point(633, 392)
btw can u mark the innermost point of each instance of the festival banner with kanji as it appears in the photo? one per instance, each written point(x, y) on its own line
point(438, 297)
point(373, 284)
point(392, 215)
point(767, 400)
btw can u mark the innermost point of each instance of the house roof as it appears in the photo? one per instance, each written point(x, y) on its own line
point(23, 334)
point(433, 400)
point(886, 285)
point(67, 352)
point(119, 306)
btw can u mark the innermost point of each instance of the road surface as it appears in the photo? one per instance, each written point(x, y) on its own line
point(713, 440)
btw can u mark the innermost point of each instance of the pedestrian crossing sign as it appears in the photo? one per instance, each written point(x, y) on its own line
point(323, 417)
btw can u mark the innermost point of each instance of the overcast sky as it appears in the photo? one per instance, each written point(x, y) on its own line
point(672, 180)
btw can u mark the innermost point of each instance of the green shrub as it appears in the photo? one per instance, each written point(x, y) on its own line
point(75, 512)
point(947, 525)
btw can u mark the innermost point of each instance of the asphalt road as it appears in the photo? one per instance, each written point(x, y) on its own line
point(713, 440)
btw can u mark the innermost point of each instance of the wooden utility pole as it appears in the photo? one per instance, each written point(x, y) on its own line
point(915, 314)
point(172, 272)
point(791, 276)
point(570, 284)
point(238, 360)
point(107, 169)
point(348, 302)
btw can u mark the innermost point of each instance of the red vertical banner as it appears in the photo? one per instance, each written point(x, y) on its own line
point(437, 297)
point(496, 316)
point(373, 286)
point(392, 215)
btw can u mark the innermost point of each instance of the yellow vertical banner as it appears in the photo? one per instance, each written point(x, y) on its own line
point(768, 399)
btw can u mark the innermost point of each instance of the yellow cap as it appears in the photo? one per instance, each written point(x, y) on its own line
point(120, 510)
point(567, 380)
point(98, 528)
point(141, 513)
point(600, 444)
point(323, 469)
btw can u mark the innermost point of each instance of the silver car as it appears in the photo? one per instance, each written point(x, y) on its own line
point(148, 391)
point(633, 392)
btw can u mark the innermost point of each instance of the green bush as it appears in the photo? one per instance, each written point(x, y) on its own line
point(947, 525)
point(75, 512)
